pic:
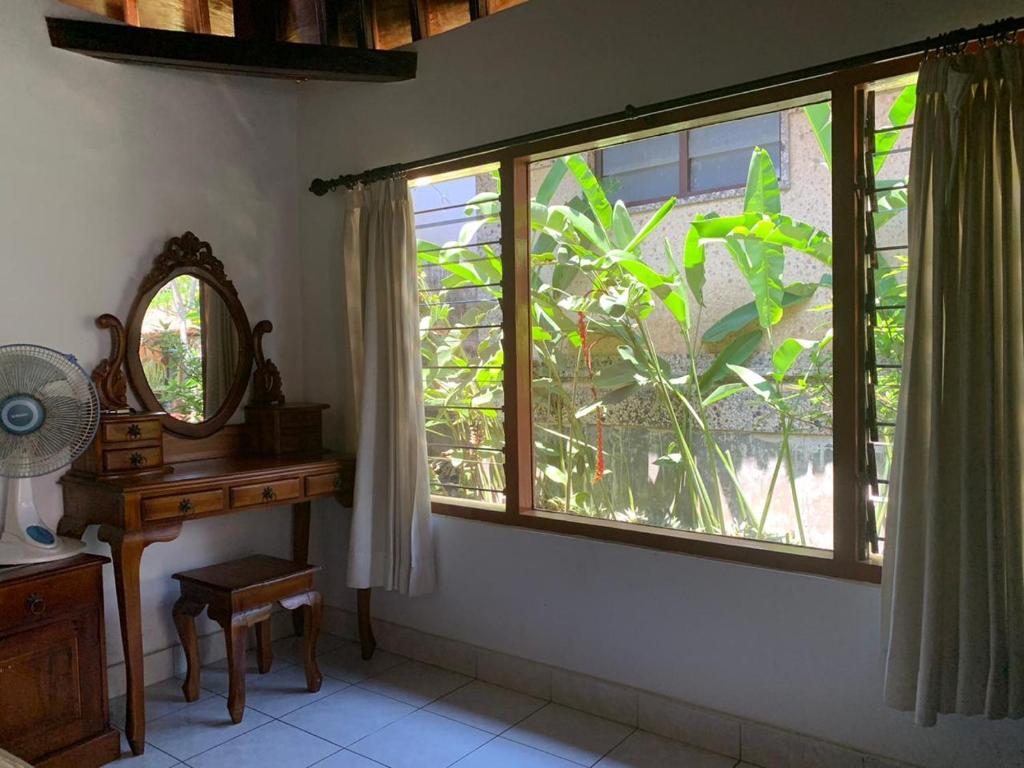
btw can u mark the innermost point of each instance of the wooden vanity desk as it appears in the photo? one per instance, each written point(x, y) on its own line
point(184, 462)
point(135, 512)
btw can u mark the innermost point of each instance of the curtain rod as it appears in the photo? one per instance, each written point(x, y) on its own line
point(948, 42)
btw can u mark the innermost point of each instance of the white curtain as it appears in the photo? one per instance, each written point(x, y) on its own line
point(390, 544)
point(953, 574)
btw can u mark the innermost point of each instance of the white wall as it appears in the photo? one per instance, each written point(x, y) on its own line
point(100, 164)
point(796, 651)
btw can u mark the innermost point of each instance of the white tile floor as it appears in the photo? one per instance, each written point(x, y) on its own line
point(389, 711)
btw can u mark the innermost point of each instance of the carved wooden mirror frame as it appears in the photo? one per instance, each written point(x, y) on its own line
point(188, 255)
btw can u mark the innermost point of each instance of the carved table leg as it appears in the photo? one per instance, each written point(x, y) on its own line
point(126, 552)
point(264, 648)
point(367, 642)
point(300, 548)
point(185, 612)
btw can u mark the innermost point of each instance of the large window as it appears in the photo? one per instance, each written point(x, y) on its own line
point(682, 373)
point(458, 234)
point(711, 158)
point(710, 374)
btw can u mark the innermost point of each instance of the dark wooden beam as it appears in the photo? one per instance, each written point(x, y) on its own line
point(256, 19)
point(188, 50)
point(329, 16)
point(478, 9)
point(367, 29)
point(419, 18)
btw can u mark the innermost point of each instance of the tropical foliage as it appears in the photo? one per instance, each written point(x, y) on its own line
point(595, 294)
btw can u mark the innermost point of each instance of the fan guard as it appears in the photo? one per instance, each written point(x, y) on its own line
point(49, 410)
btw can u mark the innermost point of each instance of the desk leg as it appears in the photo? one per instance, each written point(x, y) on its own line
point(367, 642)
point(300, 548)
point(126, 552)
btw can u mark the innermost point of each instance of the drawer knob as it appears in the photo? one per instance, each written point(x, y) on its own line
point(35, 604)
point(338, 483)
point(269, 494)
point(134, 431)
point(137, 459)
point(185, 507)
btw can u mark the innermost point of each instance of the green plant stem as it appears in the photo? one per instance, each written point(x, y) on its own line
point(792, 489)
point(684, 447)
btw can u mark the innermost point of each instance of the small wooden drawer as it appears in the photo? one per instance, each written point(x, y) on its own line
point(39, 599)
point(321, 485)
point(132, 459)
point(132, 431)
point(266, 493)
point(183, 505)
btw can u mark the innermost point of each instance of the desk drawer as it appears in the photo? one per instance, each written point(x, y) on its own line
point(34, 600)
point(183, 505)
point(321, 485)
point(266, 493)
point(132, 431)
point(132, 459)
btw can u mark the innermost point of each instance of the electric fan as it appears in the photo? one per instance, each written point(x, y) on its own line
point(48, 416)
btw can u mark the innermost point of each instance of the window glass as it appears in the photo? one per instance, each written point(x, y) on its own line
point(890, 108)
point(643, 170)
point(719, 155)
point(681, 359)
point(458, 229)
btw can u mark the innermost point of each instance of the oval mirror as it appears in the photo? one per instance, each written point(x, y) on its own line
point(189, 349)
point(189, 343)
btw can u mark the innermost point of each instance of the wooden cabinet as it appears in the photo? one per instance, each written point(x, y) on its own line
point(53, 677)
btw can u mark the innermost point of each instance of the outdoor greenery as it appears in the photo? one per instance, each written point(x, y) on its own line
point(172, 356)
point(592, 298)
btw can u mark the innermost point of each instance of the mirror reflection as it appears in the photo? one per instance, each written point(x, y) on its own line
point(189, 348)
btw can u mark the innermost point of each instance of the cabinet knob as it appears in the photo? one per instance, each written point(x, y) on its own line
point(269, 494)
point(35, 604)
point(338, 483)
point(137, 459)
point(185, 506)
point(134, 431)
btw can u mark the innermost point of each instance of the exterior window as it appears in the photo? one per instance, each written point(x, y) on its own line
point(458, 242)
point(688, 398)
point(711, 158)
point(690, 375)
point(888, 110)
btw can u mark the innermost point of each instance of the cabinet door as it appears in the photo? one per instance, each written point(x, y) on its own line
point(50, 679)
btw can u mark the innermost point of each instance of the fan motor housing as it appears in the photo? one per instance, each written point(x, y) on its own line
point(21, 414)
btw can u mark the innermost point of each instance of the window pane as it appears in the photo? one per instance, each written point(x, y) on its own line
point(719, 155)
point(458, 227)
point(891, 106)
point(700, 399)
point(726, 170)
point(642, 170)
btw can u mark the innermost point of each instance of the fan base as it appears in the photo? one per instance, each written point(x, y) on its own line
point(14, 551)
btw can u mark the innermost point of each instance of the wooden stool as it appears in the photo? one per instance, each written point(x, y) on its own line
point(241, 594)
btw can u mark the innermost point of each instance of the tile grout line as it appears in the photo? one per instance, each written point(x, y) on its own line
point(416, 708)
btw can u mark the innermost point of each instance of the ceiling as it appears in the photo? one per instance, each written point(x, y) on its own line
point(375, 24)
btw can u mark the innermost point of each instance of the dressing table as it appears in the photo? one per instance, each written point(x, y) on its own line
point(187, 352)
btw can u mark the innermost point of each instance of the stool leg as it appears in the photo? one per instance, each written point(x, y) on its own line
point(311, 614)
point(185, 612)
point(264, 649)
point(235, 633)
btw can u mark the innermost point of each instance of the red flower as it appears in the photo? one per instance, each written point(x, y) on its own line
point(582, 324)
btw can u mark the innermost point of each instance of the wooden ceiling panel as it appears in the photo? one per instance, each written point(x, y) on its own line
point(500, 5)
point(392, 23)
point(382, 24)
point(447, 14)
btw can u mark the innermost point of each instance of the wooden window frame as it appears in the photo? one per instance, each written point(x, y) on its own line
point(848, 558)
